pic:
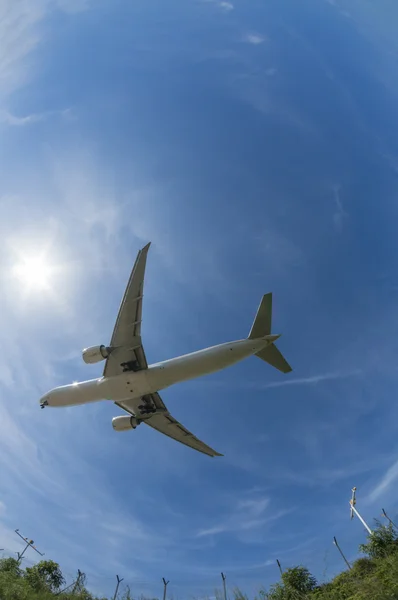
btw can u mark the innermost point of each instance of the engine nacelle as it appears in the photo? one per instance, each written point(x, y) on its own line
point(95, 354)
point(124, 423)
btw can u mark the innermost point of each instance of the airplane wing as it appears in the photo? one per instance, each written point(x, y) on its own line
point(166, 424)
point(163, 421)
point(126, 337)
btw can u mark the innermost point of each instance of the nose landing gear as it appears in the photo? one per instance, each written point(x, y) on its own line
point(43, 404)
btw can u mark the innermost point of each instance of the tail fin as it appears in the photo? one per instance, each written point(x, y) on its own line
point(262, 323)
point(261, 328)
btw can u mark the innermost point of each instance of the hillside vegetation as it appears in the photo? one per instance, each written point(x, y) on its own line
point(372, 577)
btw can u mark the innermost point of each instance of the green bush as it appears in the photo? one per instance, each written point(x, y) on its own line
point(372, 577)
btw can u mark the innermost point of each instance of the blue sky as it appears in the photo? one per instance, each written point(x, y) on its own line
point(256, 147)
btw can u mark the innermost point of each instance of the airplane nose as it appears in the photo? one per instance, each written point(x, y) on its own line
point(44, 401)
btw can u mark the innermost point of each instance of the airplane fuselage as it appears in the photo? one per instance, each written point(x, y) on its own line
point(131, 385)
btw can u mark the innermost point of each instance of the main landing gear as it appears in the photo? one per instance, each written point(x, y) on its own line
point(131, 365)
point(146, 409)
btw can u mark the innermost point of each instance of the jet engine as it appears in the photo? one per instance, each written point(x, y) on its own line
point(94, 354)
point(125, 423)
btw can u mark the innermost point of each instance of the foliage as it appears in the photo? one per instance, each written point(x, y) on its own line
point(297, 583)
point(45, 576)
point(10, 565)
point(299, 579)
point(372, 577)
point(238, 594)
point(382, 542)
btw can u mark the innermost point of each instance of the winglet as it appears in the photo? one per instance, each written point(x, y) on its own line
point(146, 248)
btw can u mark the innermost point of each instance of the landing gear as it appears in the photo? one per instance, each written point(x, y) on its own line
point(146, 409)
point(43, 404)
point(131, 365)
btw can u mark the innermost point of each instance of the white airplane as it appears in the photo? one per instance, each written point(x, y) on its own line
point(132, 385)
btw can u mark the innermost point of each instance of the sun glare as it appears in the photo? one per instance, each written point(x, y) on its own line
point(34, 273)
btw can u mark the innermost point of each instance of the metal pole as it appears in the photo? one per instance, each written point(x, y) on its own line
point(388, 518)
point(20, 554)
point(279, 565)
point(353, 502)
point(224, 585)
point(341, 552)
point(362, 520)
point(74, 584)
point(164, 588)
point(119, 581)
point(29, 543)
point(79, 576)
point(353, 510)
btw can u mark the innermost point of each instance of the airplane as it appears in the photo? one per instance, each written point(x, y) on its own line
point(134, 386)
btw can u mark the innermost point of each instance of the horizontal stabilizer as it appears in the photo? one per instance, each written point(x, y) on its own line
point(273, 357)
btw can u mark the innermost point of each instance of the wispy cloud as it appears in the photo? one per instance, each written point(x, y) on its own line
point(254, 38)
point(248, 514)
point(9, 119)
point(313, 380)
point(33, 463)
point(227, 6)
point(340, 215)
point(245, 515)
point(73, 6)
point(386, 482)
point(255, 507)
point(281, 253)
point(21, 33)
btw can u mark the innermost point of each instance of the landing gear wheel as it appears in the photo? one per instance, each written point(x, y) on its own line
point(146, 410)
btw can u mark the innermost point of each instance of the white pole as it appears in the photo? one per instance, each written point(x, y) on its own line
point(353, 511)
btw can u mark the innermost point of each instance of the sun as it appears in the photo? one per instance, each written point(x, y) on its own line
point(34, 273)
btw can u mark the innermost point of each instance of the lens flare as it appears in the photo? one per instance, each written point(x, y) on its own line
point(34, 273)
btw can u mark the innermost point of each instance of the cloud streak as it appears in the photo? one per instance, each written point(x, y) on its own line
point(21, 34)
point(313, 380)
point(254, 38)
point(340, 215)
point(15, 121)
point(386, 483)
point(226, 6)
point(248, 515)
point(9, 119)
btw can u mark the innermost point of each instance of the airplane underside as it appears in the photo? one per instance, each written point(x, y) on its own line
point(134, 386)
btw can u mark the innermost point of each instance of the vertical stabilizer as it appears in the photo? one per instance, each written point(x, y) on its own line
point(262, 323)
point(261, 328)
